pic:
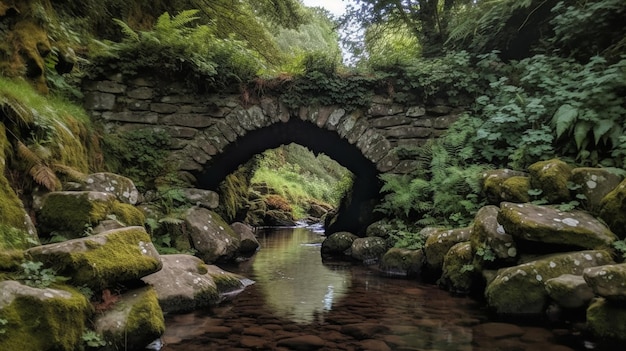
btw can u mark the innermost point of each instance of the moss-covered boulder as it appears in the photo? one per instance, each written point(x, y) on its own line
point(336, 244)
point(607, 319)
point(186, 283)
point(569, 291)
point(249, 244)
point(594, 184)
point(515, 189)
point(133, 322)
point(521, 289)
point(551, 177)
point(551, 225)
point(50, 319)
point(101, 260)
point(438, 244)
point(492, 180)
point(487, 232)
point(378, 228)
point(613, 209)
point(608, 281)
point(10, 260)
point(457, 277)
point(368, 250)
point(123, 188)
point(70, 213)
point(211, 236)
point(397, 262)
point(128, 214)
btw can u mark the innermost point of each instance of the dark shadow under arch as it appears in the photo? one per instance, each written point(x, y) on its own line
point(354, 214)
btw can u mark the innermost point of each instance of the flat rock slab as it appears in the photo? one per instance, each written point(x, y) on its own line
point(608, 281)
point(569, 291)
point(102, 260)
point(550, 225)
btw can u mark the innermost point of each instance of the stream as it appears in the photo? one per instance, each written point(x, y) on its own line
point(300, 303)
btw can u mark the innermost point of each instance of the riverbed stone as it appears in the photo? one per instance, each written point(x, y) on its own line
point(201, 197)
point(211, 236)
point(69, 213)
point(613, 209)
point(569, 291)
point(594, 184)
point(41, 318)
point(608, 281)
point(456, 277)
point(491, 183)
point(551, 225)
point(303, 342)
point(248, 241)
point(102, 260)
point(336, 244)
point(186, 283)
point(520, 290)
point(438, 244)
point(123, 188)
point(551, 176)
point(398, 262)
point(369, 250)
point(488, 232)
point(132, 322)
point(607, 319)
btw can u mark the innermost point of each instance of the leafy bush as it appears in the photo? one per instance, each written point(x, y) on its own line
point(32, 274)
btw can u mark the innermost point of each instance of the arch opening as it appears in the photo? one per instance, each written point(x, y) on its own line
point(355, 211)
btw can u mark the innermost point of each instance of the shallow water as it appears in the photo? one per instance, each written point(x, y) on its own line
point(298, 302)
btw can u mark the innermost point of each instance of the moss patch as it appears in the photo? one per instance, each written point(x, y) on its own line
point(45, 323)
point(10, 260)
point(607, 320)
point(454, 277)
point(69, 213)
point(613, 210)
point(551, 177)
point(515, 189)
point(128, 214)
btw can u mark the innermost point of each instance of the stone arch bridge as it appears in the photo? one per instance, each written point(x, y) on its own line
point(213, 134)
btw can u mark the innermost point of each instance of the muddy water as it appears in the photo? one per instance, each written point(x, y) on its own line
point(299, 303)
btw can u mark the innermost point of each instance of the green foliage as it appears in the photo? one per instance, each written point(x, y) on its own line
point(177, 46)
point(32, 274)
point(92, 339)
point(577, 27)
point(139, 155)
point(444, 189)
point(554, 107)
point(3, 324)
point(485, 253)
point(620, 246)
point(404, 236)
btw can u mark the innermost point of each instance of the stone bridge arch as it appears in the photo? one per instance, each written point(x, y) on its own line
point(213, 134)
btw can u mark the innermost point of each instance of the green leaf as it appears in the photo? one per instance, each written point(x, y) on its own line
point(564, 118)
point(601, 128)
point(580, 133)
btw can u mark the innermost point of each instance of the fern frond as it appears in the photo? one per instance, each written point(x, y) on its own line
point(70, 172)
point(16, 111)
point(44, 175)
point(27, 154)
point(183, 18)
point(126, 30)
point(171, 220)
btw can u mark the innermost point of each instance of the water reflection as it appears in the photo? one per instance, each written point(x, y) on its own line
point(291, 277)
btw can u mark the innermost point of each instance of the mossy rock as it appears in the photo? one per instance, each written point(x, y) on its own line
point(368, 250)
point(515, 189)
point(379, 229)
point(128, 214)
point(594, 184)
point(613, 209)
point(133, 322)
point(123, 188)
point(10, 260)
point(488, 232)
point(553, 226)
point(608, 281)
point(456, 277)
point(491, 183)
point(211, 236)
point(50, 319)
point(101, 260)
point(70, 213)
point(569, 291)
point(438, 244)
point(607, 320)
point(397, 262)
point(520, 290)
point(336, 244)
point(551, 177)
